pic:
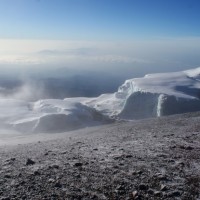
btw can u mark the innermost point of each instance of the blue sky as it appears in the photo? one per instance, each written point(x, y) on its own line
point(99, 19)
point(161, 35)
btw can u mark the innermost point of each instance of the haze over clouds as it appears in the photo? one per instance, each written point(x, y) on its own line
point(149, 55)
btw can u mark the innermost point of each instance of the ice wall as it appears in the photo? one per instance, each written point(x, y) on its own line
point(160, 94)
point(141, 105)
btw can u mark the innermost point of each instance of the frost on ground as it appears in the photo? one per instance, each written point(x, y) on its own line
point(148, 159)
point(151, 96)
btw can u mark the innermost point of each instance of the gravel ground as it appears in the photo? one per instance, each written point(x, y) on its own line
point(146, 159)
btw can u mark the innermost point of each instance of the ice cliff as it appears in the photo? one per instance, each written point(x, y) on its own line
point(153, 95)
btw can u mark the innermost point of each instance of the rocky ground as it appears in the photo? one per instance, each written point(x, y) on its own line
point(146, 159)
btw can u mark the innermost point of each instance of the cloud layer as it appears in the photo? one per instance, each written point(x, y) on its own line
point(159, 55)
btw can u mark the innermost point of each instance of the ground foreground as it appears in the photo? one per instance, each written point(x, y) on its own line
point(146, 159)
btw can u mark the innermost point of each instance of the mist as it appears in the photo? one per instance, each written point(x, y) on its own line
point(79, 85)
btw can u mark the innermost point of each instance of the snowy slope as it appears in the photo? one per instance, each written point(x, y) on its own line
point(50, 115)
point(153, 95)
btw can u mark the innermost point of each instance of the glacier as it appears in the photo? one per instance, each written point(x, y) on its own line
point(153, 95)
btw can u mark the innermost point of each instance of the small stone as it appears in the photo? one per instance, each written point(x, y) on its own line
point(158, 193)
point(134, 194)
point(7, 176)
point(143, 187)
point(78, 164)
point(64, 152)
point(55, 166)
point(22, 182)
point(163, 187)
point(171, 161)
point(175, 194)
point(78, 176)
point(181, 163)
point(128, 156)
point(139, 172)
point(189, 148)
point(161, 177)
point(186, 147)
point(150, 191)
point(117, 157)
point(139, 197)
point(51, 180)
point(30, 162)
point(120, 187)
point(58, 185)
point(36, 173)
